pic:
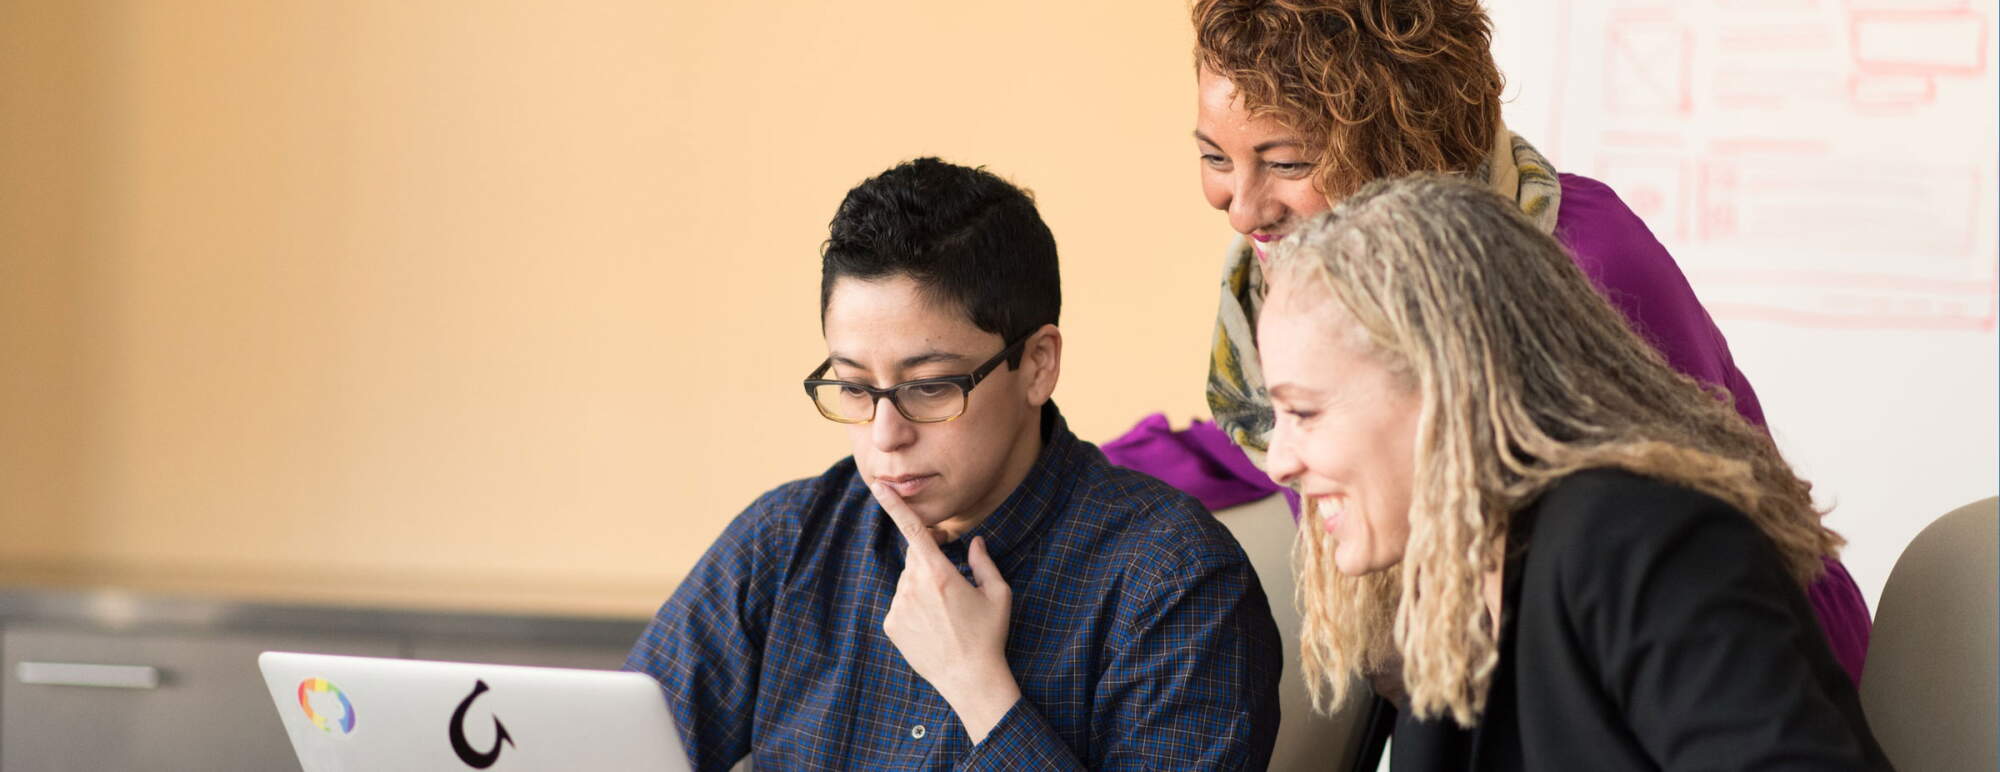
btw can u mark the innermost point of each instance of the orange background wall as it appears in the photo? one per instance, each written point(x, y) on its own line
point(368, 300)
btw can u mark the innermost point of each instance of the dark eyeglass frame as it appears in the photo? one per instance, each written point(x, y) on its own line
point(875, 395)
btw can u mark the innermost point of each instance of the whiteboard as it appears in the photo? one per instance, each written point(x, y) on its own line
point(1824, 171)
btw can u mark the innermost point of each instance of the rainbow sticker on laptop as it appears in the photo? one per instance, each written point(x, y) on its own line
point(325, 723)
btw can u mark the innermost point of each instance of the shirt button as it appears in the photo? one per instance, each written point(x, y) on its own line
point(917, 732)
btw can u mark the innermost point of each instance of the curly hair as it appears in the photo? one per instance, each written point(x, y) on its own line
point(1525, 375)
point(1376, 88)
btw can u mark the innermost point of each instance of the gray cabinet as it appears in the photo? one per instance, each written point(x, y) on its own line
point(208, 711)
point(173, 684)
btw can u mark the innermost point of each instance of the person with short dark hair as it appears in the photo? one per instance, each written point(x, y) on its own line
point(975, 587)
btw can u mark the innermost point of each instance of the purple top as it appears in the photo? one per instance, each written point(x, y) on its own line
point(1200, 460)
point(1632, 269)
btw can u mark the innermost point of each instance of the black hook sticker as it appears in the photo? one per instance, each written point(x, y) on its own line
point(473, 758)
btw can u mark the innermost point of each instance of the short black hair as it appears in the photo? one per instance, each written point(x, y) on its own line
point(967, 237)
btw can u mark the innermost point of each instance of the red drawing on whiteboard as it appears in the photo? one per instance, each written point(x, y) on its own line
point(1890, 94)
point(1820, 212)
point(1645, 139)
point(1648, 68)
point(1774, 146)
point(1918, 42)
point(1747, 134)
point(1868, 312)
point(1767, 39)
point(1907, 5)
point(1767, 5)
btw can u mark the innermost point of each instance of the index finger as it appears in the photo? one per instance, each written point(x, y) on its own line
point(916, 535)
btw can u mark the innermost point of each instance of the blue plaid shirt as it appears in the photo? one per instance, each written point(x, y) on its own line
point(1139, 636)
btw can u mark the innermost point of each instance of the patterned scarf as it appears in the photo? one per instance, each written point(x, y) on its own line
point(1236, 393)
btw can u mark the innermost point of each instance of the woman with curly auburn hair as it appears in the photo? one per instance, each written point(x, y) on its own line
point(1582, 558)
point(1302, 102)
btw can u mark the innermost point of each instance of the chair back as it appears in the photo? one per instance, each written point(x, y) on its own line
point(1932, 678)
point(1306, 740)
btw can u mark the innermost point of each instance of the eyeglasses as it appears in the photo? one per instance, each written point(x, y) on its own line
point(924, 401)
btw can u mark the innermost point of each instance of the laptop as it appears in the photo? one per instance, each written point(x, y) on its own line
point(349, 714)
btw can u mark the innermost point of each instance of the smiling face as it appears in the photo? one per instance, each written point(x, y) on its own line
point(1346, 424)
point(884, 332)
point(1252, 166)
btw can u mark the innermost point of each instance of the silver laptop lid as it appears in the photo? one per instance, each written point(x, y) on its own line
point(348, 714)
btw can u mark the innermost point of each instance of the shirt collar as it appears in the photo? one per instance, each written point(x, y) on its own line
point(1039, 496)
point(1024, 513)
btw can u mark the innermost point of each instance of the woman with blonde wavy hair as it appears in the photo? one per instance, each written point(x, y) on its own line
point(1301, 102)
point(1582, 558)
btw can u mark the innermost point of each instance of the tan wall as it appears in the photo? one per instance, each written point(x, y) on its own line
point(514, 296)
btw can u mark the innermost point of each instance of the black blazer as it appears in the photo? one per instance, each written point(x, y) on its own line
point(1647, 626)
